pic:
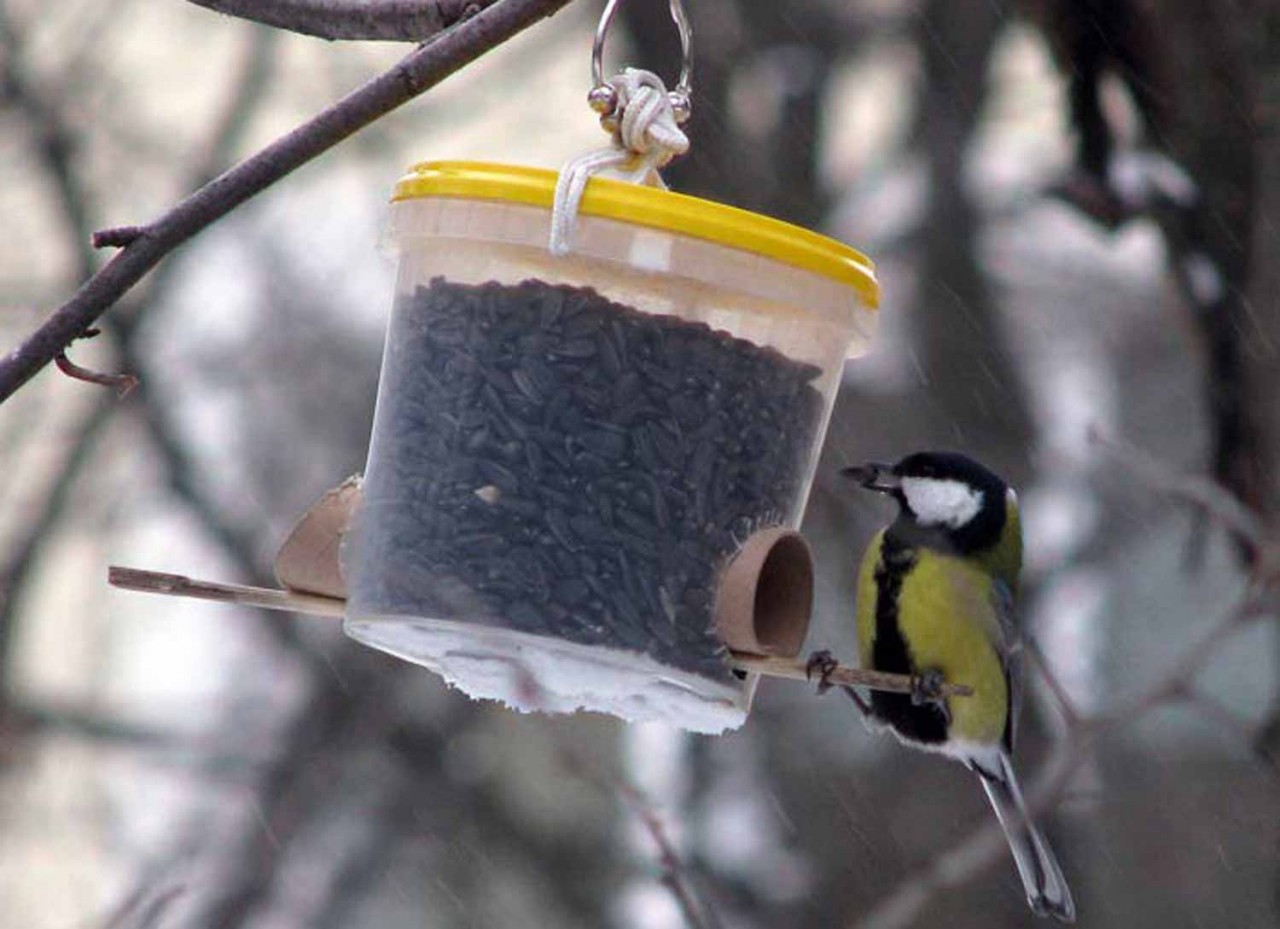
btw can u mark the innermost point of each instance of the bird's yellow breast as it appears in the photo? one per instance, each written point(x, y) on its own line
point(947, 614)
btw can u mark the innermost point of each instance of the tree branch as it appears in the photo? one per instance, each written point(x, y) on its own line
point(415, 74)
point(206, 162)
point(381, 20)
point(676, 875)
point(1212, 498)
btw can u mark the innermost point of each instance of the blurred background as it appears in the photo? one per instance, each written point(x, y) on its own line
point(1074, 209)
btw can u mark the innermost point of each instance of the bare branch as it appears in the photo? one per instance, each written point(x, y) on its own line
point(251, 81)
point(144, 908)
point(242, 100)
point(676, 876)
point(1213, 498)
point(674, 872)
point(85, 723)
point(415, 74)
point(1174, 683)
point(1066, 705)
point(26, 550)
point(1248, 732)
point(381, 20)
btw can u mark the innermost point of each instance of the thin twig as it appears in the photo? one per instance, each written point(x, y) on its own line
point(253, 77)
point(1066, 705)
point(87, 723)
point(380, 20)
point(24, 553)
point(1179, 676)
point(418, 72)
point(1211, 497)
point(673, 868)
point(143, 908)
point(122, 384)
point(46, 116)
point(1217, 711)
point(675, 873)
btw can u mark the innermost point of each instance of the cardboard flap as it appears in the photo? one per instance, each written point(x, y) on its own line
point(310, 560)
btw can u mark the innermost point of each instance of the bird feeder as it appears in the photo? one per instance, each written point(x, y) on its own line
point(577, 460)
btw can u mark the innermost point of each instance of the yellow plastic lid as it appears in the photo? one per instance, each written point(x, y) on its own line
point(653, 207)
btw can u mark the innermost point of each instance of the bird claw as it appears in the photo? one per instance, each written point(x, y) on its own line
point(926, 687)
point(823, 663)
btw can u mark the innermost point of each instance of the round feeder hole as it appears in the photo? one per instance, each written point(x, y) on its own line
point(766, 595)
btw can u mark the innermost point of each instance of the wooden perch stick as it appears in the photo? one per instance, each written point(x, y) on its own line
point(797, 670)
point(178, 585)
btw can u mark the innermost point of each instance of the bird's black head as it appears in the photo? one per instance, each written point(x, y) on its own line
point(944, 494)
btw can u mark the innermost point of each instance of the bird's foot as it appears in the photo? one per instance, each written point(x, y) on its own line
point(821, 663)
point(926, 687)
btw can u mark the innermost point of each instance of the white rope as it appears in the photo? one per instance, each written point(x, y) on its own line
point(645, 138)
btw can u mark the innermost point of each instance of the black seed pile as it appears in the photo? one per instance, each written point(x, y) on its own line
point(551, 461)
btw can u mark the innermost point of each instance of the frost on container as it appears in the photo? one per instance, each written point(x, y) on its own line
point(567, 451)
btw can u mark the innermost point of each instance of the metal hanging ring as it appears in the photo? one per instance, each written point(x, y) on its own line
point(604, 99)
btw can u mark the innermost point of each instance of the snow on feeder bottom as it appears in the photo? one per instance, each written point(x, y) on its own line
point(573, 455)
point(557, 489)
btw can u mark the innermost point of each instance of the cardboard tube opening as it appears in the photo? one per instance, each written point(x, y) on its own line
point(766, 595)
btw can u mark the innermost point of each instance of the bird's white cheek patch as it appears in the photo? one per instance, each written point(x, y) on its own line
point(941, 503)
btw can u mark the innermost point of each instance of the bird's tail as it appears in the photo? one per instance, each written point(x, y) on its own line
point(1047, 890)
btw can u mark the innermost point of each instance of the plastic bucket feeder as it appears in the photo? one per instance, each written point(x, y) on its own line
point(568, 452)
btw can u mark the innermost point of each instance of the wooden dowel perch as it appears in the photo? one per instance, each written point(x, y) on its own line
point(178, 585)
point(797, 670)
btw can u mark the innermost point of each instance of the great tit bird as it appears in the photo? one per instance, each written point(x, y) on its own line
point(936, 595)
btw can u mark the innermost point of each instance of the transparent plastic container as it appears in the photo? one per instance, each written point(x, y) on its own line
point(567, 451)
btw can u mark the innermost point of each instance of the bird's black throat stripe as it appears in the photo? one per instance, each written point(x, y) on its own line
point(921, 723)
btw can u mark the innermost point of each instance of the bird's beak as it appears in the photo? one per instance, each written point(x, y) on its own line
point(873, 476)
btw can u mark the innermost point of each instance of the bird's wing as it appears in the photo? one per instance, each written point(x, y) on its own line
point(1010, 649)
